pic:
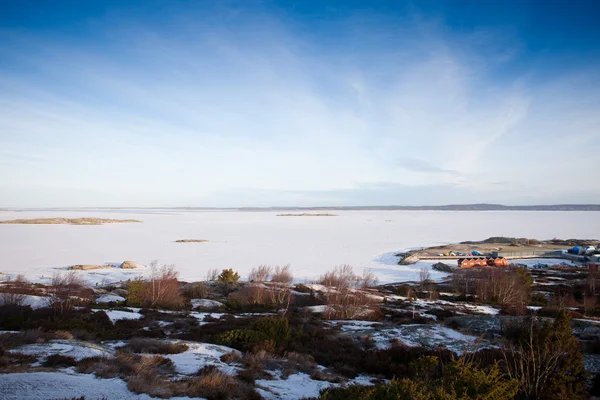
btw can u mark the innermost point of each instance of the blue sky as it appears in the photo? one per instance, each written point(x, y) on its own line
point(260, 103)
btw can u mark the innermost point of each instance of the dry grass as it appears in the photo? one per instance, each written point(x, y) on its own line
point(12, 340)
point(154, 346)
point(151, 385)
point(68, 221)
point(65, 335)
point(213, 384)
point(126, 364)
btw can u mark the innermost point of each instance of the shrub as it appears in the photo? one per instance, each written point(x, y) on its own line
point(241, 338)
point(198, 290)
point(547, 359)
point(135, 293)
point(58, 360)
point(460, 380)
point(538, 299)
point(160, 290)
point(276, 329)
point(154, 346)
point(235, 302)
point(228, 276)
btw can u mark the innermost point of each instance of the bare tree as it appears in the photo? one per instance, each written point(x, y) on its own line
point(281, 282)
point(212, 275)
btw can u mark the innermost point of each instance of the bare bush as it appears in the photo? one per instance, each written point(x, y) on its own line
point(281, 282)
point(346, 293)
point(66, 291)
point(212, 275)
point(14, 291)
point(262, 273)
point(507, 286)
point(161, 289)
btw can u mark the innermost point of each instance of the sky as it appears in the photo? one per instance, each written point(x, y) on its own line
point(298, 103)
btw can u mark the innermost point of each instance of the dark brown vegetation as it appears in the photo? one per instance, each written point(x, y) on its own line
point(536, 359)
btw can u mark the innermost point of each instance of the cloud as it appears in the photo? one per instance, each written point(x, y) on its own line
point(418, 165)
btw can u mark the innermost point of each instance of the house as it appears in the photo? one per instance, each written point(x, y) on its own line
point(482, 262)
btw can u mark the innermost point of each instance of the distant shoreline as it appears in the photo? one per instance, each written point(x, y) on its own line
point(450, 207)
point(67, 221)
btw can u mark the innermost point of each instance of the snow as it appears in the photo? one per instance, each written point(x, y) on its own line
point(243, 240)
point(73, 348)
point(56, 385)
point(316, 309)
point(200, 354)
point(116, 315)
point(202, 316)
point(206, 303)
point(36, 302)
point(107, 298)
point(296, 386)
point(429, 336)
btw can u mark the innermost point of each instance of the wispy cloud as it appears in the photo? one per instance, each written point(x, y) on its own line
point(418, 165)
point(246, 105)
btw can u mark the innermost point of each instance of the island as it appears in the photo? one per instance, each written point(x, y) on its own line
point(68, 221)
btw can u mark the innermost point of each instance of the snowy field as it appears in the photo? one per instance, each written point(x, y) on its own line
point(242, 240)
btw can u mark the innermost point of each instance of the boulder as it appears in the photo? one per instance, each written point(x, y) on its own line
point(129, 265)
point(440, 266)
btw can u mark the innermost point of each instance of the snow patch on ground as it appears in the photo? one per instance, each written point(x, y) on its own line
point(56, 385)
point(72, 348)
point(36, 302)
point(116, 315)
point(206, 303)
point(199, 355)
point(107, 298)
point(295, 387)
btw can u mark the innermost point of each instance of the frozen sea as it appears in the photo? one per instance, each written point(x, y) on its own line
point(242, 240)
